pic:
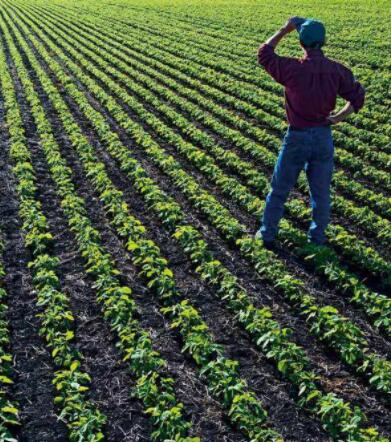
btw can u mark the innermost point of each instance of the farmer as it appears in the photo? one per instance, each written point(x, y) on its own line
point(311, 88)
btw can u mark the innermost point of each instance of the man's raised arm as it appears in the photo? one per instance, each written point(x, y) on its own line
point(275, 65)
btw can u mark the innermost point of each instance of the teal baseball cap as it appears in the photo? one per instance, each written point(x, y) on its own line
point(311, 32)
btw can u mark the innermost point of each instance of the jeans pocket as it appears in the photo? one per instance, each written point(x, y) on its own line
point(293, 139)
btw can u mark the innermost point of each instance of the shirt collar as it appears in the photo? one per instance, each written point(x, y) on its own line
point(311, 53)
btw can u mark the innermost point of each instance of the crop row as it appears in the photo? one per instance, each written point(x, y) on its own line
point(220, 373)
point(9, 413)
point(350, 188)
point(326, 323)
point(325, 261)
point(71, 382)
point(336, 415)
point(153, 386)
point(244, 71)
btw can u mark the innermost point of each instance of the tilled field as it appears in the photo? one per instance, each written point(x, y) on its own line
point(138, 140)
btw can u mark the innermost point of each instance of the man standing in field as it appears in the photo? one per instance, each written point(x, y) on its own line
point(312, 85)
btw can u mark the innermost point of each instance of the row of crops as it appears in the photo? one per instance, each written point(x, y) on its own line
point(138, 143)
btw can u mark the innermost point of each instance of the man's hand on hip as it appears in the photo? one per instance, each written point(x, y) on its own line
point(341, 115)
point(334, 119)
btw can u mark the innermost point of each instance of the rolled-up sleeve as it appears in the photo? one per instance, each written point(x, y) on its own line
point(280, 68)
point(351, 90)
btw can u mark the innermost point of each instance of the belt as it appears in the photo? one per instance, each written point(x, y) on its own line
point(301, 129)
point(297, 128)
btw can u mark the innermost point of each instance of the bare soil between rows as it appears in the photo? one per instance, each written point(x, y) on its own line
point(258, 371)
point(33, 369)
point(110, 391)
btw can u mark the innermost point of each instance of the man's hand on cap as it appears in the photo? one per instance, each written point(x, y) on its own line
point(293, 23)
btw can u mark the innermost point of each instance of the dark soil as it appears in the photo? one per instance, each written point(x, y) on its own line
point(328, 384)
point(206, 414)
point(111, 380)
point(33, 369)
point(111, 384)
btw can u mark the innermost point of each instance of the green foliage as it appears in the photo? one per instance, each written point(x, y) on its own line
point(153, 387)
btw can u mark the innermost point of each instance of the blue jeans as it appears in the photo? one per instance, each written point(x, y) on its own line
point(311, 149)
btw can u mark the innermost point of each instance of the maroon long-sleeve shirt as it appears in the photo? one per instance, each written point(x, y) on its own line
point(312, 85)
